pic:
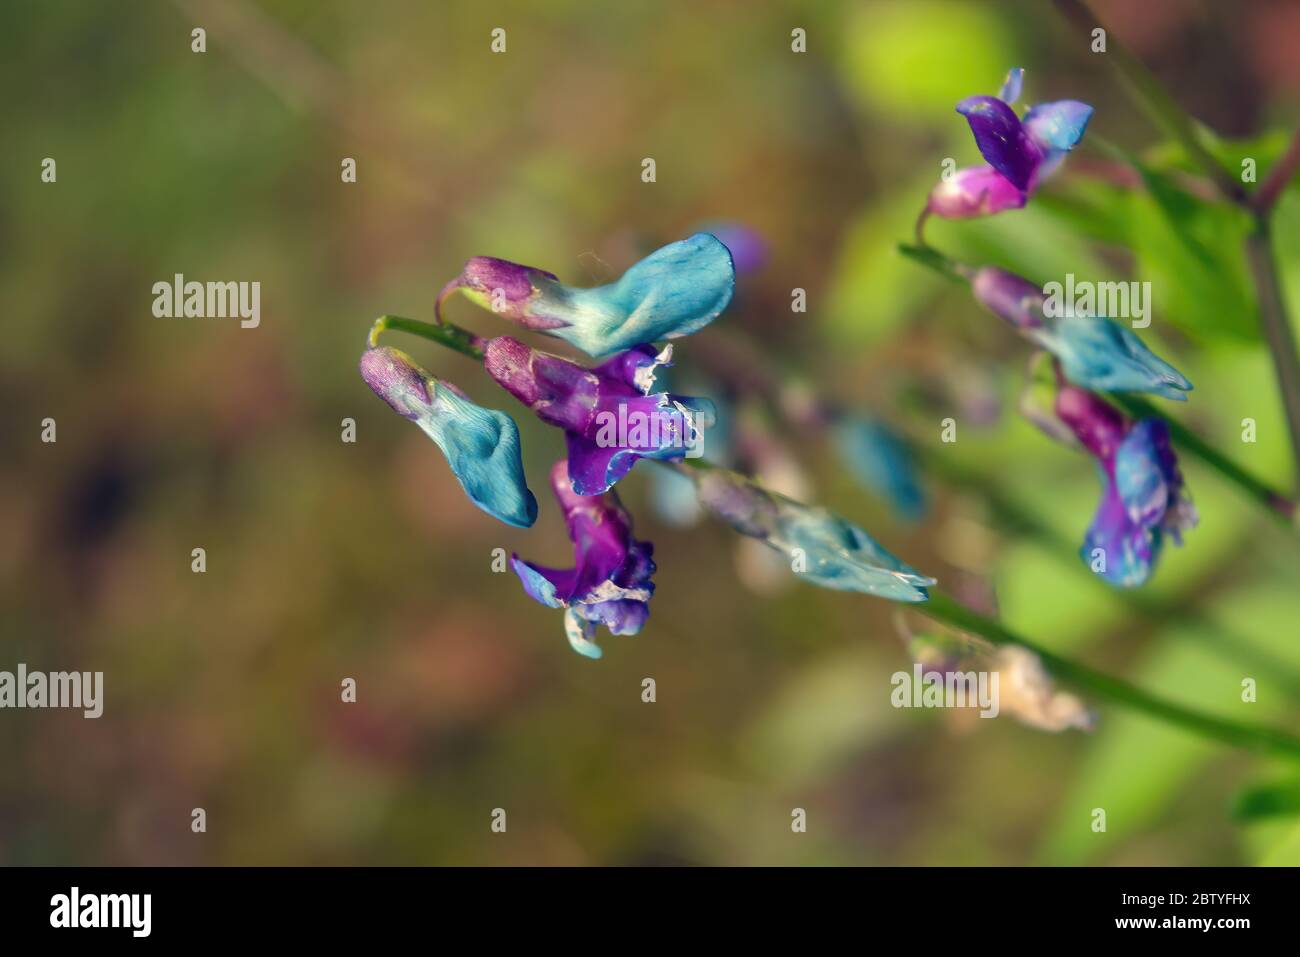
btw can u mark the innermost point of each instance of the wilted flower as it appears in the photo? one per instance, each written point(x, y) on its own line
point(1143, 498)
point(673, 292)
point(1027, 692)
point(1094, 352)
point(608, 413)
point(821, 546)
point(880, 460)
point(481, 445)
point(1020, 152)
point(610, 584)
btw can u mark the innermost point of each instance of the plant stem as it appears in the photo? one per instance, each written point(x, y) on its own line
point(1115, 690)
point(445, 334)
point(1276, 327)
point(1264, 198)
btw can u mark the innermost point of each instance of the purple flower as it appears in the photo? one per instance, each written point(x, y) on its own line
point(1094, 351)
point(1143, 496)
point(608, 413)
point(1020, 153)
point(673, 292)
point(610, 584)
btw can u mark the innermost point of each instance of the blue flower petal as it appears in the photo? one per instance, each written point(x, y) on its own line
point(673, 292)
point(1128, 549)
point(1057, 127)
point(1101, 354)
point(481, 445)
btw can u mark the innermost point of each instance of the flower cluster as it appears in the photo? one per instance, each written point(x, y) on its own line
point(611, 417)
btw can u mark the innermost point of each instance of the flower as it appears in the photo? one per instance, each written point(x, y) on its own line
point(1095, 352)
point(673, 292)
point(1020, 152)
point(1027, 692)
point(608, 413)
point(481, 445)
point(824, 548)
point(1143, 498)
point(880, 460)
point(610, 584)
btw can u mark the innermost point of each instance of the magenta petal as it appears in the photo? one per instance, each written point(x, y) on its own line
point(974, 191)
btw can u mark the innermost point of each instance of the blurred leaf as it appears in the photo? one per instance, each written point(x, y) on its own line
point(1267, 800)
point(1190, 251)
point(918, 59)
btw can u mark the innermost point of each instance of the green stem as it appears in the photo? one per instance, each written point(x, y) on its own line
point(1279, 506)
point(1115, 690)
point(1276, 327)
point(445, 334)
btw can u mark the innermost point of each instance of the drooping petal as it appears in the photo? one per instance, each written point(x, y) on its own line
point(1117, 548)
point(974, 191)
point(881, 461)
point(611, 581)
point(821, 546)
point(673, 292)
point(1149, 481)
point(1001, 139)
point(1101, 354)
point(481, 445)
point(1057, 127)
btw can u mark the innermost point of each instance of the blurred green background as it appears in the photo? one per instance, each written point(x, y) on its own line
point(328, 560)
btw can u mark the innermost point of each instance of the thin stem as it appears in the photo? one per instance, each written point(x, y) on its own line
point(943, 608)
point(445, 334)
point(1264, 198)
point(1279, 506)
point(1163, 110)
point(1115, 690)
point(1276, 327)
point(931, 257)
